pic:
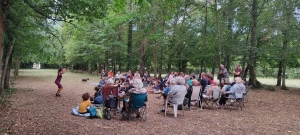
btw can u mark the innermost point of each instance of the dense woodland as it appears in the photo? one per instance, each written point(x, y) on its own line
point(152, 35)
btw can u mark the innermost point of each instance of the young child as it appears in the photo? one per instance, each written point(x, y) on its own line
point(92, 98)
point(85, 103)
point(58, 79)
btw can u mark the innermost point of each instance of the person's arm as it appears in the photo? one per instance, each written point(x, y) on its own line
point(231, 90)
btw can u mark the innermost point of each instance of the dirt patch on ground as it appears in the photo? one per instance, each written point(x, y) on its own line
point(36, 110)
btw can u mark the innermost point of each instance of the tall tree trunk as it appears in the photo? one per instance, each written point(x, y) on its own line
point(284, 54)
point(252, 79)
point(160, 63)
point(246, 72)
point(7, 76)
point(3, 4)
point(279, 74)
point(16, 66)
point(142, 56)
point(155, 44)
point(106, 61)
point(213, 70)
point(218, 29)
point(129, 40)
point(5, 66)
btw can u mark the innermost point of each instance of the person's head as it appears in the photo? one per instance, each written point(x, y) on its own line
point(238, 80)
point(60, 70)
point(102, 70)
point(102, 78)
point(110, 81)
point(203, 75)
point(210, 76)
point(137, 83)
point(119, 72)
point(186, 77)
point(216, 82)
point(238, 65)
point(172, 81)
point(179, 80)
point(182, 74)
point(221, 66)
point(96, 88)
point(85, 96)
point(193, 76)
point(110, 70)
point(175, 74)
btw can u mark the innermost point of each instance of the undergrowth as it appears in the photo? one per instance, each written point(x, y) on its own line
point(5, 96)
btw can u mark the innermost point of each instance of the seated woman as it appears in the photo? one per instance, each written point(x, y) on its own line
point(235, 91)
point(138, 89)
point(209, 92)
point(178, 87)
point(166, 90)
point(102, 82)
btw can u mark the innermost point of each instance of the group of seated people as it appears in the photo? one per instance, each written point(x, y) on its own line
point(124, 88)
point(207, 83)
point(170, 84)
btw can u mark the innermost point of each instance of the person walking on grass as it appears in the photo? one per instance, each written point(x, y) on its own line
point(58, 79)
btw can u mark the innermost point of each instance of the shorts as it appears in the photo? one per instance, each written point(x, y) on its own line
point(165, 95)
point(58, 85)
point(225, 80)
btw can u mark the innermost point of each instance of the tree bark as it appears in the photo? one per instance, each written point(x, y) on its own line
point(7, 76)
point(17, 65)
point(218, 29)
point(2, 32)
point(252, 79)
point(284, 54)
point(155, 44)
point(129, 41)
point(5, 66)
point(279, 74)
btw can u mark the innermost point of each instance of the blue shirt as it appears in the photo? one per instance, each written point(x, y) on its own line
point(166, 90)
point(189, 82)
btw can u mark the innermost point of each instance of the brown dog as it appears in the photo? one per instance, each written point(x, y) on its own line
point(85, 80)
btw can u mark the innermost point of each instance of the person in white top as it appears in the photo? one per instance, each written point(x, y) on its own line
point(137, 74)
point(117, 76)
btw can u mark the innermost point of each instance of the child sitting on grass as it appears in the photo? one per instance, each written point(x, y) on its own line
point(85, 103)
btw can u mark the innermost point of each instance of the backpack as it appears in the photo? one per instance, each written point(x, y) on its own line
point(111, 102)
point(99, 98)
point(92, 111)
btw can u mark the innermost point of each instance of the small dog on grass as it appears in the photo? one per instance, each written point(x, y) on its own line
point(85, 80)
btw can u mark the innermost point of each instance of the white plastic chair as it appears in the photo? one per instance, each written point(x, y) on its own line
point(179, 96)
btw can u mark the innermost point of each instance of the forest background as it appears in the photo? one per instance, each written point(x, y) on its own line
point(159, 36)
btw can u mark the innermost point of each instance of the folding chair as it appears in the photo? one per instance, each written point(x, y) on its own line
point(138, 106)
point(239, 101)
point(214, 100)
point(245, 94)
point(193, 97)
point(202, 91)
point(179, 96)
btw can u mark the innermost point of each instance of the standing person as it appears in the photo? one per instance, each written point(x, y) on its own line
point(118, 76)
point(110, 74)
point(238, 71)
point(58, 79)
point(102, 73)
point(224, 75)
